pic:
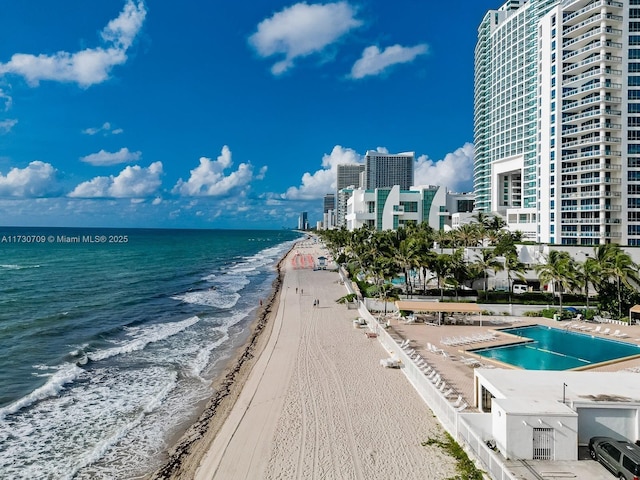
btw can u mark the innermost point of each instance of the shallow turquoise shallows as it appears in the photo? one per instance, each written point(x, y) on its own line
point(546, 348)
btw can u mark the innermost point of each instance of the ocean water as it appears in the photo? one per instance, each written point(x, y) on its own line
point(109, 340)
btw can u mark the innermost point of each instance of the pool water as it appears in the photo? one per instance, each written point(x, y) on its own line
point(546, 348)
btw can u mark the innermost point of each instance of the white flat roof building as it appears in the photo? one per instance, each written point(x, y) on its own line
point(390, 208)
point(557, 409)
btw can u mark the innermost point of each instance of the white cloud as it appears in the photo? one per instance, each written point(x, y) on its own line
point(301, 30)
point(208, 178)
point(7, 125)
point(6, 98)
point(105, 129)
point(35, 180)
point(316, 185)
point(132, 182)
point(374, 61)
point(86, 67)
point(455, 171)
point(103, 158)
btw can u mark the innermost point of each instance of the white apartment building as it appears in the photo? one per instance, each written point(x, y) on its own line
point(557, 119)
point(390, 208)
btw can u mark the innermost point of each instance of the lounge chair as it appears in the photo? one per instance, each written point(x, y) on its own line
point(472, 362)
point(405, 343)
point(606, 331)
point(390, 363)
point(458, 402)
point(620, 334)
point(462, 407)
point(448, 393)
point(597, 329)
point(616, 333)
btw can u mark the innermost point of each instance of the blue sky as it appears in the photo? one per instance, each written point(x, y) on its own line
point(211, 114)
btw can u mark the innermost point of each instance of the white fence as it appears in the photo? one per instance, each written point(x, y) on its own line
point(451, 419)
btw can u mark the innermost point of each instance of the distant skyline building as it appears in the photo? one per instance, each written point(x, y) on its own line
point(329, 202)
point(329, 211)
point(557, 120)
point(303, 222)
point(383, 170)
point(348, 175)
point(344, 194)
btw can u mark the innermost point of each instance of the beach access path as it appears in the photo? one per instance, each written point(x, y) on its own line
point(317, 403)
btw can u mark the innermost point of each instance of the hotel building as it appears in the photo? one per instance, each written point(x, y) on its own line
point(383, 170)
point(557, 119)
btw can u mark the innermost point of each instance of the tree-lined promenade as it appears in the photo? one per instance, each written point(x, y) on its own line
point(421, 254)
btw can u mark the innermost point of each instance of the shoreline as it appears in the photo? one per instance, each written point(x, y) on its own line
point(300, 400)
point(186, 454)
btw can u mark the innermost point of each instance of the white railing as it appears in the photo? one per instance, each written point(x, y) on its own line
point(449, 417)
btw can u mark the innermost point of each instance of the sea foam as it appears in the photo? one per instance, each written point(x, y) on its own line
point(143, 336)
point(65, 374)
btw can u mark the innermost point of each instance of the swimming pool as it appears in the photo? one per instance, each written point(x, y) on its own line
point(546, 348)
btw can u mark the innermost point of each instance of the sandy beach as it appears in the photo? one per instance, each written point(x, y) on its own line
point(309, 399)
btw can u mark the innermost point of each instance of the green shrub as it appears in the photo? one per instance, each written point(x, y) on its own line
point(464, 465)
point(348, 298)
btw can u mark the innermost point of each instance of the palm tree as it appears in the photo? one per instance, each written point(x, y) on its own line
point(588, 273)
point(559, 270)
point(443, 239)
point(406, 257)
point(488, 262)
point(513, 265)
point(457, 270)
point(467, 235)
point(615, 271)
point(440, 266)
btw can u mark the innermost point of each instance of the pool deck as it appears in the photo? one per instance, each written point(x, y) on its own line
point(459, 375)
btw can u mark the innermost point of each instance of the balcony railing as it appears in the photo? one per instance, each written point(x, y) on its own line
point(592, 86)
point(592, 113)
point(593, 73)
point(590, 181)
point(591, 33)
point(594, 194)
point(591, 140)
point(590, 60)
point(594, 126)
point(590, 208)
point(590, 20)
point(592, 6)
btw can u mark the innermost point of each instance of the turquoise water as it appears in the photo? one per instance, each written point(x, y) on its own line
point(109, 340)
point(547, 348)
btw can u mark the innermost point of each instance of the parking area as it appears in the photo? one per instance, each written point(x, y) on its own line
point(584, 468)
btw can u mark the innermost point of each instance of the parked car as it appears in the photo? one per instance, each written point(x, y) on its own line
point(519, 288)
point(620, 457)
